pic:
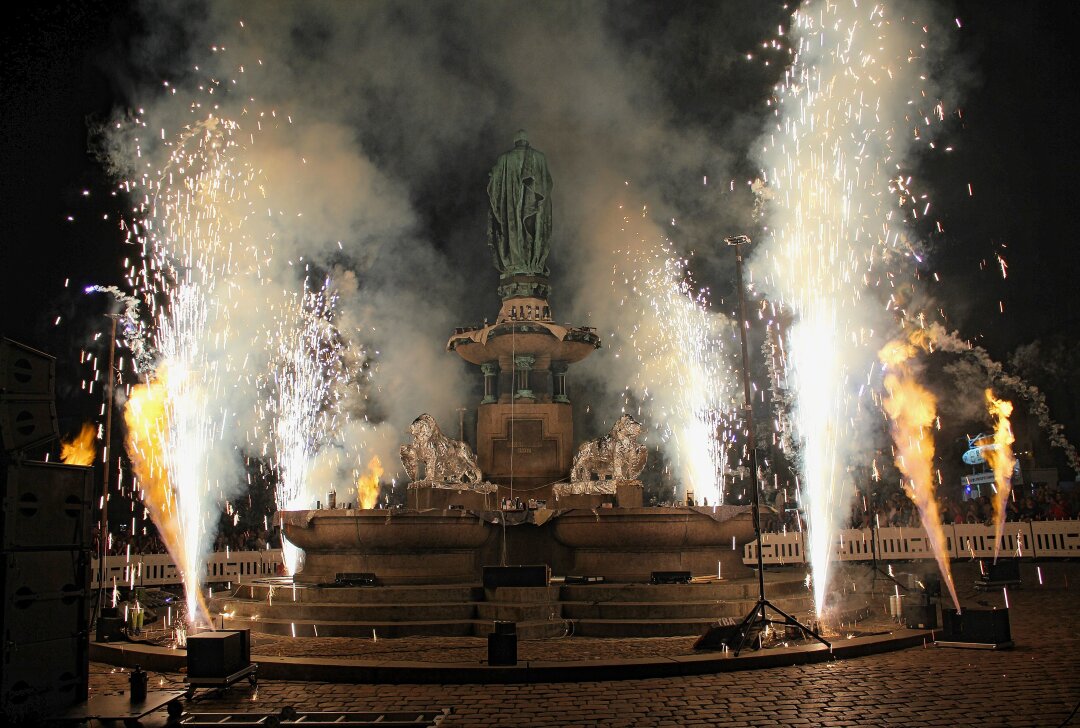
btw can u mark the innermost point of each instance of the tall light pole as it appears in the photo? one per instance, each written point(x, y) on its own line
point(110, 384)
point(757, 617)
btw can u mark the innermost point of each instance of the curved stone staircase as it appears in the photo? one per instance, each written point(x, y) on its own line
point(595, 610)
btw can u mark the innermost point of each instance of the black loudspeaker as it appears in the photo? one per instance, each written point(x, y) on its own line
point(26, 424)
point(671, 577)
point(25, 373)
point(920, 616)
point(27, 386)
point(724, 632)
point(502, 644)
point(1005, 572)
point(38, 679)
point(534, 575)
point(45, 595)
point(360, 578)
point(46, 506)
point(976, 627)
point(218, 654)
point(110, 629)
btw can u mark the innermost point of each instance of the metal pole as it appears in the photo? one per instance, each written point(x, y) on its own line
point(757, 615)
point(109, 398)
point(737, 243)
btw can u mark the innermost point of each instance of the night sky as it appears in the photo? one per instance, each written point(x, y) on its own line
point(70, 66)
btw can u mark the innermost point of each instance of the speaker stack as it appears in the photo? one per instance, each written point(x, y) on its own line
point(45, 534)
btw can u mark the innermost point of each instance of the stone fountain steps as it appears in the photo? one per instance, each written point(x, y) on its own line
point(526, 630)
point(649, 611)
point(639, 628)
point(513, 611)
point(342, 612)
point(599, 610)
point(261, 591)
point(719, 591)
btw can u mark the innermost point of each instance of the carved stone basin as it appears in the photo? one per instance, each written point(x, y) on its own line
point(628, 544)
point(399, 547)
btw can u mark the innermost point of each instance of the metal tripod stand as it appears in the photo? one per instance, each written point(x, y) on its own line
point(757, 617)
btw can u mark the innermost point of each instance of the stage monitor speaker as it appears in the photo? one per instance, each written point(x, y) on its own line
point(39, 679)
point(920, 616)
point(532, 575)
point(359, 578)
point(218, 654)
point(26, 373)
point(978, 627)
point(109, 629)
point(27, 423)
point(725, 631)
point(45, 595)
point(671, 577)
point(46, 506)
point(1006, 572)
point(502, 644)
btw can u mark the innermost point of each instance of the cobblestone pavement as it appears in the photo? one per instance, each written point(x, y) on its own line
point(1035, 684)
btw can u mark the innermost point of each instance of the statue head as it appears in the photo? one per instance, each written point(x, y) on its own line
point(423, 427)
point(521, 139)
point(627, 427)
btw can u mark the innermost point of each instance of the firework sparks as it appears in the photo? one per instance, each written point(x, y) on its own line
point(302, 412)
point(190, 229)
point(831, 163)
point(682, 378)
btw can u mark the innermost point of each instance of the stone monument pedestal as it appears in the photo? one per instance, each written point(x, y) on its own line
point(597, 493)
point(426, 495)
point(534, 441)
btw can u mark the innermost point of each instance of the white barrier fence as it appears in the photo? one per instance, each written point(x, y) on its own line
point(159, 569)
point(1038, 539)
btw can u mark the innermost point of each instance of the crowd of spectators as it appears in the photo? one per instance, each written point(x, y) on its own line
point(150, 542)
point(895, 508)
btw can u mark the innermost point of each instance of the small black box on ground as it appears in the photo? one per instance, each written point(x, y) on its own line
point(532, 575)
point(218, 654)
point(502, 644)
point(110, 628)
point(1006, 572)
point(724, 632)
point(920, 616)
point(976, 627)
point(671, 577)
point(359, 578)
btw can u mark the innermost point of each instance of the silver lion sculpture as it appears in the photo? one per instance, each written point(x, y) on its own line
point(617, 455)
point(445, 460)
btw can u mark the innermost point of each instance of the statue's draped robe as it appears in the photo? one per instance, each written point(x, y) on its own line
point(519, 232)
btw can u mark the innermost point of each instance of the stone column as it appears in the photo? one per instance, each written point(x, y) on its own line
point(558, 382)
point(523, 364)
point(491, 387)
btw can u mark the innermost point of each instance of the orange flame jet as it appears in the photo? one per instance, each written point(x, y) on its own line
point(912, 409)
point(1001, 461)
point(79, 450)
point(367, 485)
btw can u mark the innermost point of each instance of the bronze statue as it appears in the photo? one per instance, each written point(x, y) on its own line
point(519, 230)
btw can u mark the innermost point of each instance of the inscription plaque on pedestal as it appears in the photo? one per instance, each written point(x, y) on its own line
point(532, 441)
